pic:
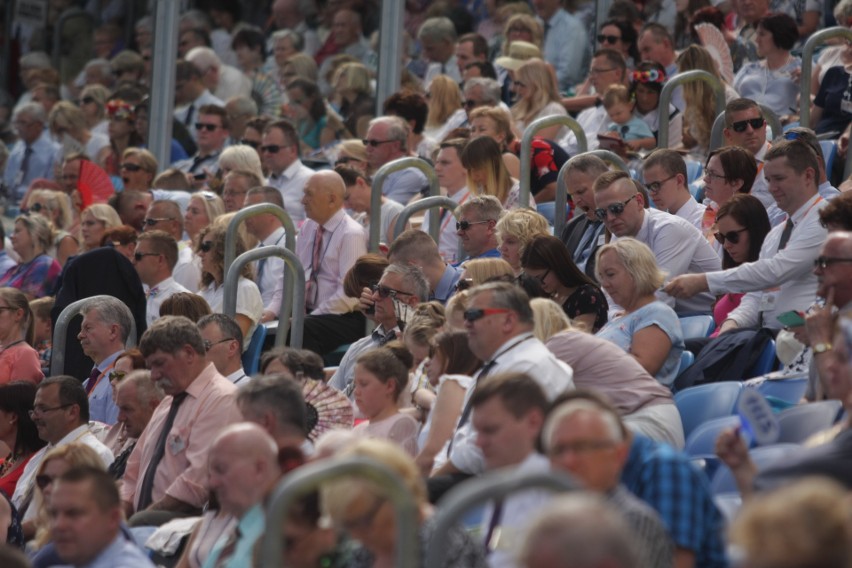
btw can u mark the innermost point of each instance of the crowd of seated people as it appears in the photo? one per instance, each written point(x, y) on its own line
point(516, 338)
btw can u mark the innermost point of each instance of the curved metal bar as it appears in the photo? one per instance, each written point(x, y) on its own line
point(610, 157)
point(434, 202)
point(294, 279)
point(289, 242)
point(307, 478)
point(560, 201)
point(526, 148)
point(716, 139)
point(473, 492)
point(668, 90)
point(813, 42)
point(376, 195)
point(60, 332)
point(66, 15)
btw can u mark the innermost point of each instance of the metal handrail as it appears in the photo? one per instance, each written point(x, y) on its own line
point(161, 108)
point(307, 478)
point(612, 158)
point(810, 46)
point(716, 138)
point(526, 148)
point(60, 332)
point(289, 242)
point(668, 90)
point(70, 13)
point(294, 281)
point(473, 492)
point(435, 202)
point(378, 186)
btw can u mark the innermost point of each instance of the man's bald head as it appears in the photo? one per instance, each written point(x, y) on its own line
point(323, 195)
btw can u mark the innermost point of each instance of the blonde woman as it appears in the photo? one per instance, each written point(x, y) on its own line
point(356, 102)
point(55, 206)
point(549, 318)
point(19, 361)
point(515, 230)
point(36, 273)
point(95, 220)
point(299, 65)
point(496, 123)
point(204, 207)
point(445, 108)
point(92, 102)
point(138, 168)
point(481, 270)
point(522, 27)
point(241, 157)
point(537, 97)
point(353, 154)
point(68, 124)
point(487, 174)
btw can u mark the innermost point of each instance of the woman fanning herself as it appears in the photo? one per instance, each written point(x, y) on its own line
point(547, 260)
point(381, 375)
point(37, 272)
point(18, 359)
point(647, 329)
point(450, 370)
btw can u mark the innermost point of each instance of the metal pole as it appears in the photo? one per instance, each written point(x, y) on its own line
point(666, 98)
point(390, 49)
point(813, 42)
point(611, 157)
point(166, 16)
point(232, 279)
point(60, 332)
point(717, 140)
point(376, 195)
point(526, 148)
point(307, 478)
point(475, 491)
point(5, 62)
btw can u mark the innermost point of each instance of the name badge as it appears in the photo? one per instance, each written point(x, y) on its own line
point(176, 444)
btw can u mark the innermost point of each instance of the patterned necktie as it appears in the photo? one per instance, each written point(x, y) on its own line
point(93, 380)
point(312, 288)
point(145, 492)
point(116, 470)
point(152, 292)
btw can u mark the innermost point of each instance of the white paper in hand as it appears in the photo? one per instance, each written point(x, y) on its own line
point(757, 417)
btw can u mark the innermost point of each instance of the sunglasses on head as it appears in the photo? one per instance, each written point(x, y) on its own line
point(474, 314)
point(755, 123)
point(733, 236)
point(117, 376)
point(465, 225)
point(253, 143)
point(615, 208)
point(206, 246)
point(131, 167)
point(384, 291)
point(608, 38)
point(206, 126)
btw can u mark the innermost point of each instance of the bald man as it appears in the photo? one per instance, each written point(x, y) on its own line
point(329, 243)
point(243, 470)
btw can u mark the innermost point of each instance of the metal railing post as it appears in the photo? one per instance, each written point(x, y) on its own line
point(813, 42)
point(376, 195)
point(475, 491)
point(434, 202)
point(161, 108)
point(668, 90)
point(716, 138)
point(305, 479)
point(60, 331)
point(66, 15)
point(294, 279)
point(526, 148)
point(389, 73)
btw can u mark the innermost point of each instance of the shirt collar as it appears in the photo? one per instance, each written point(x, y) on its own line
point(274, 237)
point(290, 170)
point(800, 213)
point(73, 434)
point(197, 386)
point(164, 284)
point(445, 285)
point(107, 363)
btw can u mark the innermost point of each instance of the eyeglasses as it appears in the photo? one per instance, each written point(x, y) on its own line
point(44, 480)
point(733, 236)
point(206, 246)
point(138, 256)
point(131, 167)
point(271, 148)
point(151, 221)
point(464, 284)
point(41, 410)
point(210, 344)
point(824, 262)
point(709, 175)
point(206, 126)
point(35, 208)
point(465, 225)
point(117, 376)
point(384, 291)
point(540, 278)
point(253, 143)
point(608, 39)
point(474, 314)
point(375, 143)
point(655, 186)
point(615, 208)
point(755, 123)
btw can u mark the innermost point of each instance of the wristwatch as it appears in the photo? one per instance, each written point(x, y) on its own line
point(821, 348)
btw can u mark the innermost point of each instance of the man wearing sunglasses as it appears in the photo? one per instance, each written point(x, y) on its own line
point(166, 216)
point(211, 130)
point(392, 300)
point(387, 140)
point(103, 334)
point(154, 260)
point(782, 279)
point(678, 246)
point(476, 226)
point(279, 154)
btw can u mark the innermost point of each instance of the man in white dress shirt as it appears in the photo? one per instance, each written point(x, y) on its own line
point(664, 172)
point(155, 258)
point(678, 246)
point(269, 231)
point(191, 95)
point(165, 215)
point(782, 279)
point(438, 40)
point(279, 153)
point(453, 179)
point(223, 341)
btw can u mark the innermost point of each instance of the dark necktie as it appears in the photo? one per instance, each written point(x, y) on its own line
point(25, 163)
point(197, 161)
point(116, 469)
point(187, 121)
point(496, 516)
point(147, 488)
point(93, 380)
point(546, 29)
point(785, 236)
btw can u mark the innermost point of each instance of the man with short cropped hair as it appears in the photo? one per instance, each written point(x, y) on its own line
point(277, 404)
point(279, 154)
point(664, 173)
point(165, 215)
point(476, 226)
point(386, 141)
point(154, 260)
point(211, 134)
point(453, 178)
point(33, 154)
point(584, 233)
point(223, 340)
point(471, 48)
point(416, 248)
point(191, 95)
point(438, 41)
point(269, 231)
point(137, 397)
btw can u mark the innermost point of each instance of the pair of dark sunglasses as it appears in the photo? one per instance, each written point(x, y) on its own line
point(206, 126)
point(615, 208)
point(140, 255)
point(251, 143)
point(755, 123)
point(464, 284)
point(384, 291)
point(34, 208)
point(131, 167)
point(465, 225)
point(151, 221)
point(474, 314)
point(271, 148)
point(611, 39)
point(733, 236)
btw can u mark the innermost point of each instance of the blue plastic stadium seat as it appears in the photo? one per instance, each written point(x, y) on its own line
point(251, 356)
point(723, 480)
point(702, 440)
point(687, 358)
point(802, 421)
point(706, 402)
point(790, 390)
point(829, 152)
point(697, 326)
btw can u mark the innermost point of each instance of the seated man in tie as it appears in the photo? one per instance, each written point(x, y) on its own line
point(329, 243)
point(584, 233)
point(103, 335)
point(212, 128)
point(137, 397)
point(782, 278)
point(166, 475)
point(223, 340)
point(33, 154)
point(155, 258)
point(269, 231)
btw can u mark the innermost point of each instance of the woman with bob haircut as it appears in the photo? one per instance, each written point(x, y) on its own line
point(515, 230)
point(648, 329)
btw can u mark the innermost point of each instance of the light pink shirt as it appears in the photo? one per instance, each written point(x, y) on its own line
point(182, 473)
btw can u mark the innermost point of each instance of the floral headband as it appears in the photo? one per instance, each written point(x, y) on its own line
point(118, 109)
point(649, 76)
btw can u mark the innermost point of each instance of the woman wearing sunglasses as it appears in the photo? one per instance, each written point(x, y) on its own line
point(647, 328)
point(741, 226)
point(620, 36)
